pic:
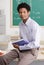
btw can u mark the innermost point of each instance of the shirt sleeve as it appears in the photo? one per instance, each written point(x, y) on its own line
point(36, 39)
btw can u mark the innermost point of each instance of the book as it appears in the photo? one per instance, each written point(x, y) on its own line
point(20, 42)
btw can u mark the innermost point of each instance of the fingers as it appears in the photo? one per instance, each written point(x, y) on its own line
point(16, 46)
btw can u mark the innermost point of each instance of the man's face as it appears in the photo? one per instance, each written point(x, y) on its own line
point(24, 14)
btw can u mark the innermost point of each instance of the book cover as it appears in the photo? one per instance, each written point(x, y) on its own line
point(20, 42)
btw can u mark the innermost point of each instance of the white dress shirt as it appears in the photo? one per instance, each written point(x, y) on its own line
point(30, 31)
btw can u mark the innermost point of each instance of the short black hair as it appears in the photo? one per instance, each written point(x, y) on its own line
point(23, 5)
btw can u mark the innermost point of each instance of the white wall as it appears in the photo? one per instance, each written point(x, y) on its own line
point(9, 29)
point(5, 5)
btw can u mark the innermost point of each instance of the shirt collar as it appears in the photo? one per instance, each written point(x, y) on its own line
point(27, 22)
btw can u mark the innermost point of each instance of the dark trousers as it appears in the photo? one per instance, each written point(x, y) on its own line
point(26, 57)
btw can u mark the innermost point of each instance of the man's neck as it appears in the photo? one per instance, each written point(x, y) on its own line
point(24, 21)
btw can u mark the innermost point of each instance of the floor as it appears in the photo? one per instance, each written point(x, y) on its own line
point(37, 62)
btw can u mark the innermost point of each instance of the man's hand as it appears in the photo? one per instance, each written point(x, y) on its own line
point(16, 46)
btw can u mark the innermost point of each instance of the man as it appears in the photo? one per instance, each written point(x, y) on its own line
point(29, 31)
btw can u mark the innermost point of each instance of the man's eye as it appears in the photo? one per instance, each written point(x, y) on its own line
point(24, 11)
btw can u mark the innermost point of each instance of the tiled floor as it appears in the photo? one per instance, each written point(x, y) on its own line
point(37, 62)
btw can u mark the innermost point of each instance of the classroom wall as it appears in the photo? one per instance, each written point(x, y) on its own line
point(5, 5)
